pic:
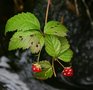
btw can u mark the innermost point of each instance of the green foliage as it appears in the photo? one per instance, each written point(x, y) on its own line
point(24, 40)
point(66, 56)
point(64, 44)
point(52, 45)
point(47, 71)
point(22, 22)
point(55, 28)
point(29, 35)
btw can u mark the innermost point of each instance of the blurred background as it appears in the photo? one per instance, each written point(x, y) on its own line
point(15, 66)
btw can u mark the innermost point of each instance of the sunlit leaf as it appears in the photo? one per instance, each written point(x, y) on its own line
point(64, 44)
point(24, 40)
point(55, 28)
point(22, 22)
point(66, 56)
point(52, 45)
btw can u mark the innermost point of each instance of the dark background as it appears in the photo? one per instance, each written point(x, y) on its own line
point(80, 35)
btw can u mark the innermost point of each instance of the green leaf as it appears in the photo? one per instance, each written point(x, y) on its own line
point(22, 21)
point(55, 28)
point(66, 56)
point(64, 44)
point(42, 41)
point(24, 40)
point(45, 64)
point(47, 71)
point(52, 45)
point(38, 43)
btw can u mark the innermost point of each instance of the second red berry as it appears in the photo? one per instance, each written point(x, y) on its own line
point(67, 71)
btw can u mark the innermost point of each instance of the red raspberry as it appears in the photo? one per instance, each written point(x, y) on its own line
point(68, 71)
point(36, 67)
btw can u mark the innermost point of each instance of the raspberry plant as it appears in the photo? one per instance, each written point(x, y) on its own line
point(28, 35)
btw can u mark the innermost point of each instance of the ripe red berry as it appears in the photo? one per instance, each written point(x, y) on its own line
point(36, 68)
point(68, 71)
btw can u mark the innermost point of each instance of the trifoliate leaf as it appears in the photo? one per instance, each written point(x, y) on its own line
point(64, 44)
point(47, 71)
point(52, 45)
point(23, 22)
point(55, 28)
point(24, 40)
point(66, 56)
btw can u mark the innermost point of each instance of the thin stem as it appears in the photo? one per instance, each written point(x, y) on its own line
point(38, 56)
point(76, 5)
point(53, 67)
point(18, 5)
point(60, 63)
point(47, 10)
point(88, 12)
point(62, 19)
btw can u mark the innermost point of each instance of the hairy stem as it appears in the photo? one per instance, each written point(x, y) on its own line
point(47, 10)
